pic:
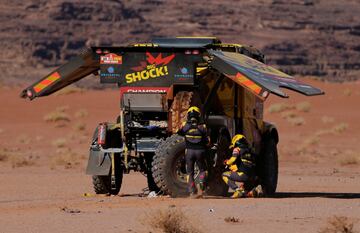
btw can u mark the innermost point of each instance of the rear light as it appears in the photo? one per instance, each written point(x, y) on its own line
point(265, 94)
point(98, 51)
point(187, 52)
point(102, 134)
point(106, 51)
point(195, 52)
point(29, 93)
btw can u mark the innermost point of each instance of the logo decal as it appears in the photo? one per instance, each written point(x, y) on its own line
point(152, 67)
point(184, 70)
point(184, 74)
point(111, 58)
point(110, 69)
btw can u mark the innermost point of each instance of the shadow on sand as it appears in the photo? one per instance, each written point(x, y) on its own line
point(316, 194)
point(302, 195)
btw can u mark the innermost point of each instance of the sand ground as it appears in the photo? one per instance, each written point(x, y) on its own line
point(43, 181)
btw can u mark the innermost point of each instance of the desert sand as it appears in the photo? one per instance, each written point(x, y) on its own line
point(42, 166)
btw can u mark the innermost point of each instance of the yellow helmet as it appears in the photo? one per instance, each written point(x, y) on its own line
point(193, 114)
point(235, 139)
point(194, 109)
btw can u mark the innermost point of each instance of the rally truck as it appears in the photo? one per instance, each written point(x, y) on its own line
point(158, 81)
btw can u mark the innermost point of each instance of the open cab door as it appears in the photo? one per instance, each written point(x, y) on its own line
point(74, 70)
point(257, 77)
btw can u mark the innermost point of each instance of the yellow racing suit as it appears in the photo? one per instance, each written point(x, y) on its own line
point(242, 170)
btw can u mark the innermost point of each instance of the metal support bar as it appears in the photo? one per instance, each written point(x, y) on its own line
point(113, 178)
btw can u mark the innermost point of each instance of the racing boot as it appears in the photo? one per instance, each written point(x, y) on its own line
point(202, 184)
point(239, 193)
point(192, 190)
point(256, 192)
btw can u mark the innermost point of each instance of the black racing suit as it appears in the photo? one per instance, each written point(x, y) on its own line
point(196, 141)
point(242, 169)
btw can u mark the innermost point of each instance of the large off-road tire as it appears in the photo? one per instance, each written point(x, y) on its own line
point(178, 109)
point(168, 167)
point(215, 183)
point(268, 167)
point(102, 184)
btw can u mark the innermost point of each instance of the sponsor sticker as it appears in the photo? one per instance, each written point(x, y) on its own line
point(152, 90)
point(110, 69)
point(184, 70)
point(152, 67)
point(111, 58)
point(184, 74)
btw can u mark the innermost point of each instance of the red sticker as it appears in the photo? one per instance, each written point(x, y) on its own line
point(111, 58)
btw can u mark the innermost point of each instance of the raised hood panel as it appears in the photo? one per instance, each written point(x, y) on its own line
point(74, 70)
point(258, 77)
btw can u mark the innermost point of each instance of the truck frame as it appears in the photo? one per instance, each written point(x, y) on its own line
point(158, 82)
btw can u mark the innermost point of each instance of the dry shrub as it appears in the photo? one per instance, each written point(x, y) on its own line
point(313, 140)
point(322, 132)
point(288, 114)
point(57, 116)
point(23, 139)
point(81, 113)
point(345, 159)
point(327, 119)
point(338, 224)
point(303, 106)
point(171, 220)
point(296, 121)
point(4, 155)
point(66, 158)
point(279, 107)
point(59, 143)
point(80, 126)
point(69, 90)
point(334, 152)
point(340, 128)
point(349, 158)
point(62, 108)
point(18, 160)
point(347, 92)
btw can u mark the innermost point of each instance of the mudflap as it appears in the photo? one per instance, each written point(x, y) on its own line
point(99, 163)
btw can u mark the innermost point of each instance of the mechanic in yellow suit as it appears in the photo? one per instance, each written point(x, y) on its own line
point(196, 141)
point(242, 169)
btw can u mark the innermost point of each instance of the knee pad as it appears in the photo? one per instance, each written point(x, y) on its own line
point(227, 174)
point(225, 178)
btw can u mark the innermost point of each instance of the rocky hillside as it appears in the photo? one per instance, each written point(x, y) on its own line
point(302, 37)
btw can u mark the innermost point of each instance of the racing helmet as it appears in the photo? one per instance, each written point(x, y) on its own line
point(193, 113)
point(238, 140)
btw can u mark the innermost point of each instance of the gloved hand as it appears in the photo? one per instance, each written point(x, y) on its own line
point(214, 147)
point(225, 163)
